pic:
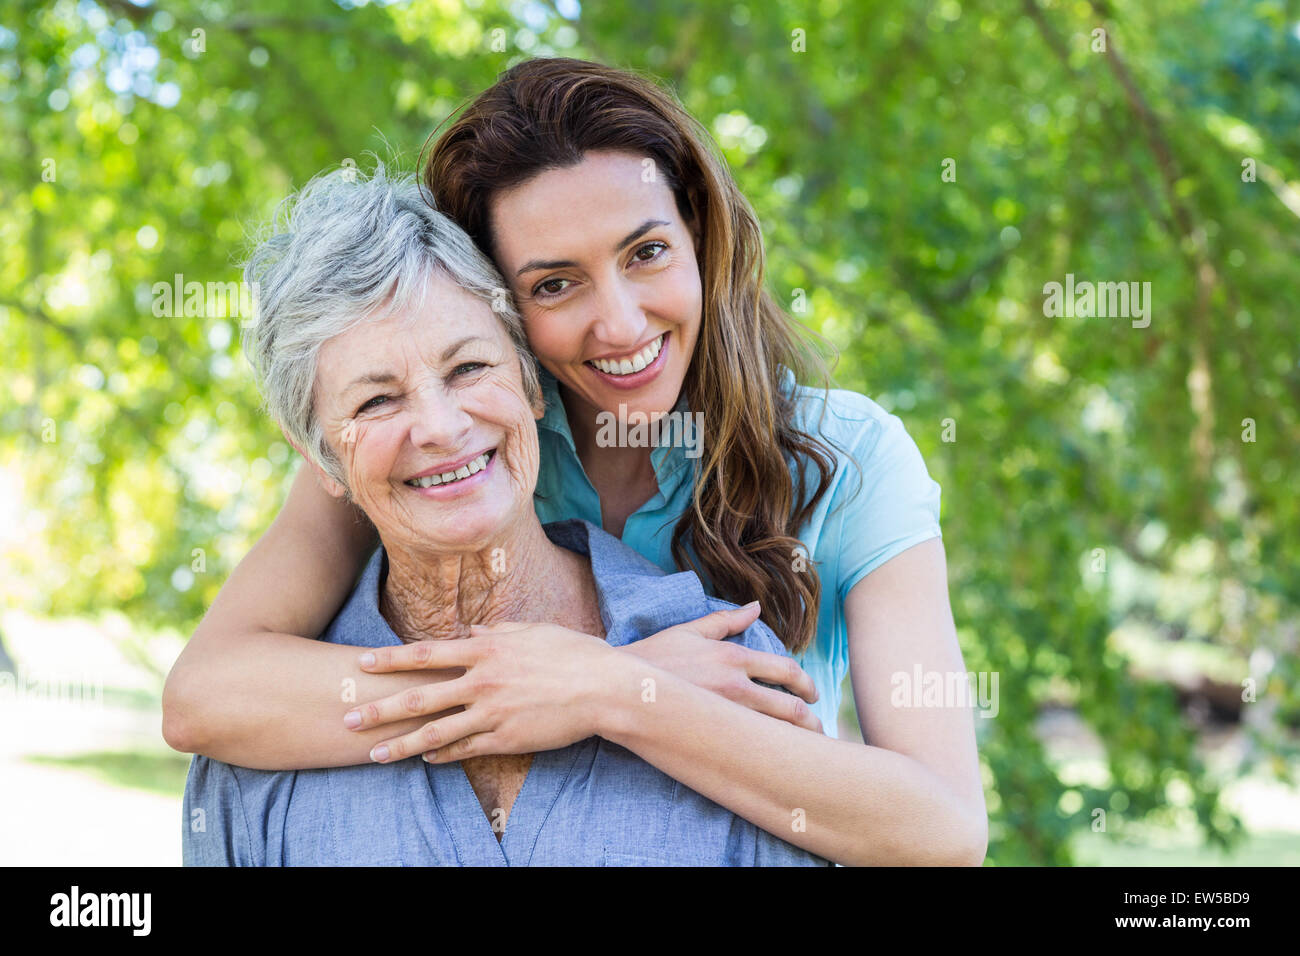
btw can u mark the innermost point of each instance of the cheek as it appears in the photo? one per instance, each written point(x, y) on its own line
point(551, 338)
point(683, 297)
point(696, 303)
point(371, 451)
point(502, 402)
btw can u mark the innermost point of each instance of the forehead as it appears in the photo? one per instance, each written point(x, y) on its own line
point(439, 315)
point(591, 206)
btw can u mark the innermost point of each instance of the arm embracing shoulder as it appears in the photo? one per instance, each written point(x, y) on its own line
point(246, 669)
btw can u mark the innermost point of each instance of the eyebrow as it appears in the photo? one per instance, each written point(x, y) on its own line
point(459, 344)
point(534, 265)
point(371, 378)
point(390, 378)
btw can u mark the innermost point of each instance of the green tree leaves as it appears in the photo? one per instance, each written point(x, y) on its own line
point(921, 171)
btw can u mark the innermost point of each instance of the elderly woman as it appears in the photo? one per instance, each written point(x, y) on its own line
point(396, 365)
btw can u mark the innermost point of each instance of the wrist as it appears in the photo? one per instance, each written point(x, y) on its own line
point(615, 690)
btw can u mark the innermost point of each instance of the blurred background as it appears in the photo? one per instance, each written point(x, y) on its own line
point(1119, 502)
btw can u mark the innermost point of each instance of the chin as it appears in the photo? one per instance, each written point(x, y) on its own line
point(470, 528)
point(660, 398)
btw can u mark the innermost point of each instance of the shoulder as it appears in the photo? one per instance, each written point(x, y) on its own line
point(882, 497)
point(758, 636)
point(359, 622)
point(637, 597)
point(850, 421)
point(877, 463)
point(610, 556)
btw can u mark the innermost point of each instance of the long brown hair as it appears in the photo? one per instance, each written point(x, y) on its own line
point(547, 114)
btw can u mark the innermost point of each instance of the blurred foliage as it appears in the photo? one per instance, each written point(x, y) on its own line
point(162, 773)
point(1098, 484)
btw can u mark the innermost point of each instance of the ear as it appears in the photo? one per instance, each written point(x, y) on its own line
point(331, 486)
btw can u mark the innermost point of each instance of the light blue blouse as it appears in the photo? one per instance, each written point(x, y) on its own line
point(593, 803)
point(853, 531)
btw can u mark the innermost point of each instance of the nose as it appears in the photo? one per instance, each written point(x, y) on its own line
point(619, 321)
point(440, 421)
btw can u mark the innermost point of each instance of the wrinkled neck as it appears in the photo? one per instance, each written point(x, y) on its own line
point(439, 595)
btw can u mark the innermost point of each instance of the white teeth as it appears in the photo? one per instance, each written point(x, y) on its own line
point(464, 471)
point(634, 364)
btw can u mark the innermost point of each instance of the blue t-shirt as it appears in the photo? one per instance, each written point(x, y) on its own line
point(853, 531)
point(590, 804)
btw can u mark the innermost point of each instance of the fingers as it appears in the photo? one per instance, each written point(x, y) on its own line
point(421, 655)
point(777, 669)
point(782, 706)
point(475, 745)
point(434, 735)
point(725, 623)
point(412, 702)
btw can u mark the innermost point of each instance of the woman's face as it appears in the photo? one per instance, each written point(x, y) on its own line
point(604, 270)
point(415, 401)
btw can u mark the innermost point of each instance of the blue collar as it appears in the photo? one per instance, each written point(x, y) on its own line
point(637, 598)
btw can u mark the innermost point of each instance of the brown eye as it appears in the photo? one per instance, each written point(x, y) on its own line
point(652, 247)
point(546, 287)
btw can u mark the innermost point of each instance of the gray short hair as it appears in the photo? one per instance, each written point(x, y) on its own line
point(337, 250)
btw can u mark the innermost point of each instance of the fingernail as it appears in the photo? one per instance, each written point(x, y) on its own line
point(352, 719)
point(749, 605)
point(367, 660)
point(379, 754)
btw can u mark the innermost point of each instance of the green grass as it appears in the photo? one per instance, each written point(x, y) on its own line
point(161, 773)
point(1176, 849)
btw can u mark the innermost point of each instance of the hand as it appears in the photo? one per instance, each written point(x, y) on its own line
point(525, 688)
point(697, 652)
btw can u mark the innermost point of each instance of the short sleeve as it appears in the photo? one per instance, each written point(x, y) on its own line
point(895, 507)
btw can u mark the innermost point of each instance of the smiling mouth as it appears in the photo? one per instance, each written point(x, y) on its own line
point(451, 477)
point(632, 363)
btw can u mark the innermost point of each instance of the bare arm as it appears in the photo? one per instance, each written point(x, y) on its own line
point(912, 796)
point(246, 689)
